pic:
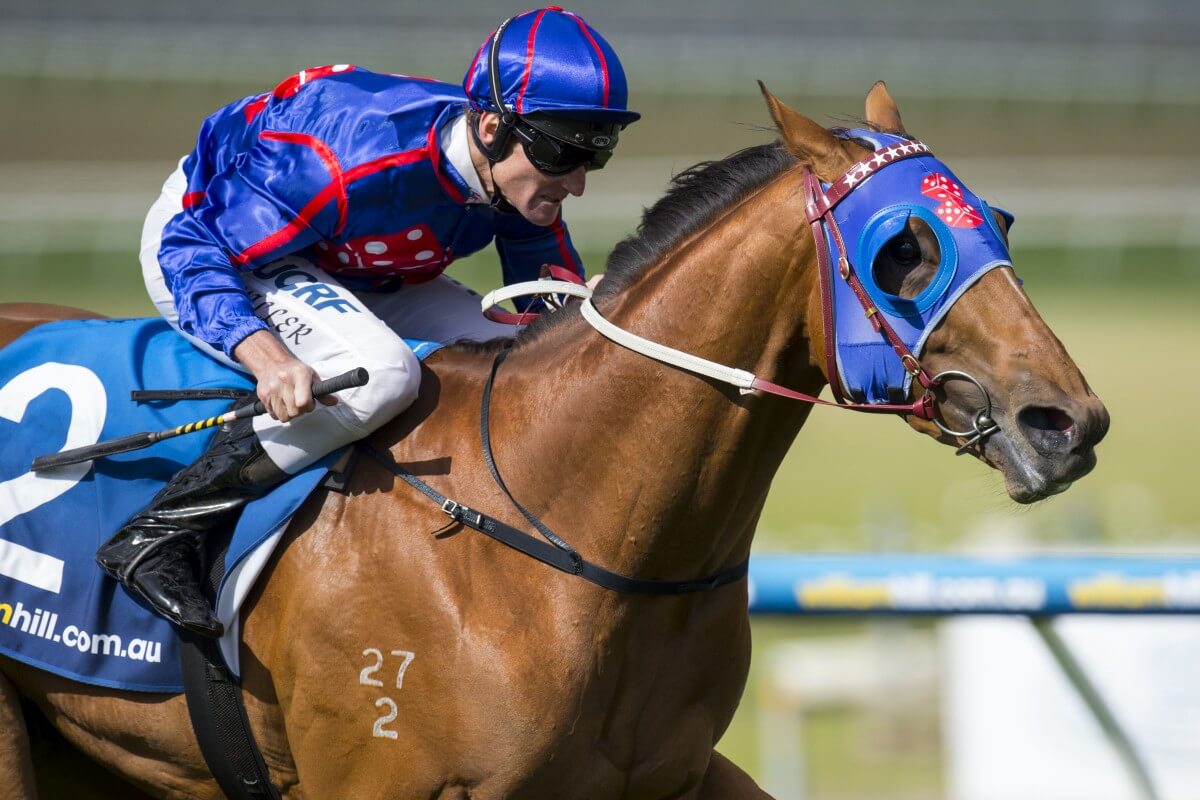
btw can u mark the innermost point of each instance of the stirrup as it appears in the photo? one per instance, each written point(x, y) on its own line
point(203, 625)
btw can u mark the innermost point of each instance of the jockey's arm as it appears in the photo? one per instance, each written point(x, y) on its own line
point(525, 247)
point(244, 220)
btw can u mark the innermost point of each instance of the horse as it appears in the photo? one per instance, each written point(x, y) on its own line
point(390, 652)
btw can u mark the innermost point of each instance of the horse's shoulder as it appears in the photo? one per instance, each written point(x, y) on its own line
point(451, 380)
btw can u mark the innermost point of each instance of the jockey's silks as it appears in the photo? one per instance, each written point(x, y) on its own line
point(344, 167)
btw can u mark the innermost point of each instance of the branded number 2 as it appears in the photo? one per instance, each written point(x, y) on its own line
point(365, 679)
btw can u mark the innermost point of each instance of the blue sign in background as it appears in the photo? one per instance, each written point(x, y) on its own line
point(931, 584)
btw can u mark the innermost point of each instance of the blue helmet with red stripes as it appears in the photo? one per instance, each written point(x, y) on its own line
point(549, 63)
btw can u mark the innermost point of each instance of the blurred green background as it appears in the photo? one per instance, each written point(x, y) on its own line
point(1080, 117)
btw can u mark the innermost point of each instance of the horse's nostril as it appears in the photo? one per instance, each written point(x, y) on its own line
point(1049, 429)
point(1051, 419)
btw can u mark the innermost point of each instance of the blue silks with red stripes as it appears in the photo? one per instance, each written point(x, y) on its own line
point(345, 167)
point(553, 61)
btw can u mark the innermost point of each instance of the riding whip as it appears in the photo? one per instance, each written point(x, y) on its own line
point(136, 441)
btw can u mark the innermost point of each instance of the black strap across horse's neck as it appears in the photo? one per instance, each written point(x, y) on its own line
point(554, 552)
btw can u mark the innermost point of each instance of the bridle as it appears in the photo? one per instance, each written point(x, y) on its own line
point(819, 205)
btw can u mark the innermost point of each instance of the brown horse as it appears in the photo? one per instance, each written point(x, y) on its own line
point(390, 655)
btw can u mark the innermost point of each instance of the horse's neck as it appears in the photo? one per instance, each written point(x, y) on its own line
point(648, 469)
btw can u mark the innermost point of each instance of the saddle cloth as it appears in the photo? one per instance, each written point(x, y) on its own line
point(65, 385)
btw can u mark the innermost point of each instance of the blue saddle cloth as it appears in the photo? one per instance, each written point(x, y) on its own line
point(66, 385)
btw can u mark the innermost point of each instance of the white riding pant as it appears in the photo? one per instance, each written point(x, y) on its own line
point(332, 329)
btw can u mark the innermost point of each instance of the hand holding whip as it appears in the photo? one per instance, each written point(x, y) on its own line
point(136, 441)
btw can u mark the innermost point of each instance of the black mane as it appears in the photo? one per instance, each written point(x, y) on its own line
point(694, 197)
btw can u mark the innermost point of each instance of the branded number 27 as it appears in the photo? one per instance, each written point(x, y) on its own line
point(365, 679)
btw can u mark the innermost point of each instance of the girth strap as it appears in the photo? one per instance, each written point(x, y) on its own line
point(215, 704)
point(214, 700)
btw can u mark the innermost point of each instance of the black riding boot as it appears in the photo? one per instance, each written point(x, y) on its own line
point(158, 554)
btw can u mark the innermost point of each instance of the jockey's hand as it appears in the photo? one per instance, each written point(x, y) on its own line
point(285, 389)
point(284, 381)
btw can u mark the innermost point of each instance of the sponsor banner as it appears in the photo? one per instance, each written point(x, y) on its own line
point(934, 585)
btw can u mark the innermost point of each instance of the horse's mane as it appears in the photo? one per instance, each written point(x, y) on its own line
point(694, 198)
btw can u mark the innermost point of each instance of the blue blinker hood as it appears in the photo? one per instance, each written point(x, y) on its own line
point(877, 210)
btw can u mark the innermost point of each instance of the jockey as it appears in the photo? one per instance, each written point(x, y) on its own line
point(308, 231)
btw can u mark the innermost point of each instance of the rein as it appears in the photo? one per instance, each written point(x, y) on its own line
point(555, 551)
point(746, 382)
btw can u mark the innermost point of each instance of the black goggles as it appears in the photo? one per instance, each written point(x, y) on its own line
point(551, 145)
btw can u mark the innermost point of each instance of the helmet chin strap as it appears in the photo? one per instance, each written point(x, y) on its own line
point(493, 154)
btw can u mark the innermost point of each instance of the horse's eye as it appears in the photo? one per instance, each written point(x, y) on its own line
point(904, 251)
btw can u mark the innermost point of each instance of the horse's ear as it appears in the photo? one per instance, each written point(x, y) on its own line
point(881, 109)
point(807, 140)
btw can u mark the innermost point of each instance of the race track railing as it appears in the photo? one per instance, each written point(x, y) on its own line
point(1038, 587)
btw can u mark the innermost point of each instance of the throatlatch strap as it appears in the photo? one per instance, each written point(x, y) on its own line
point(214, 700)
